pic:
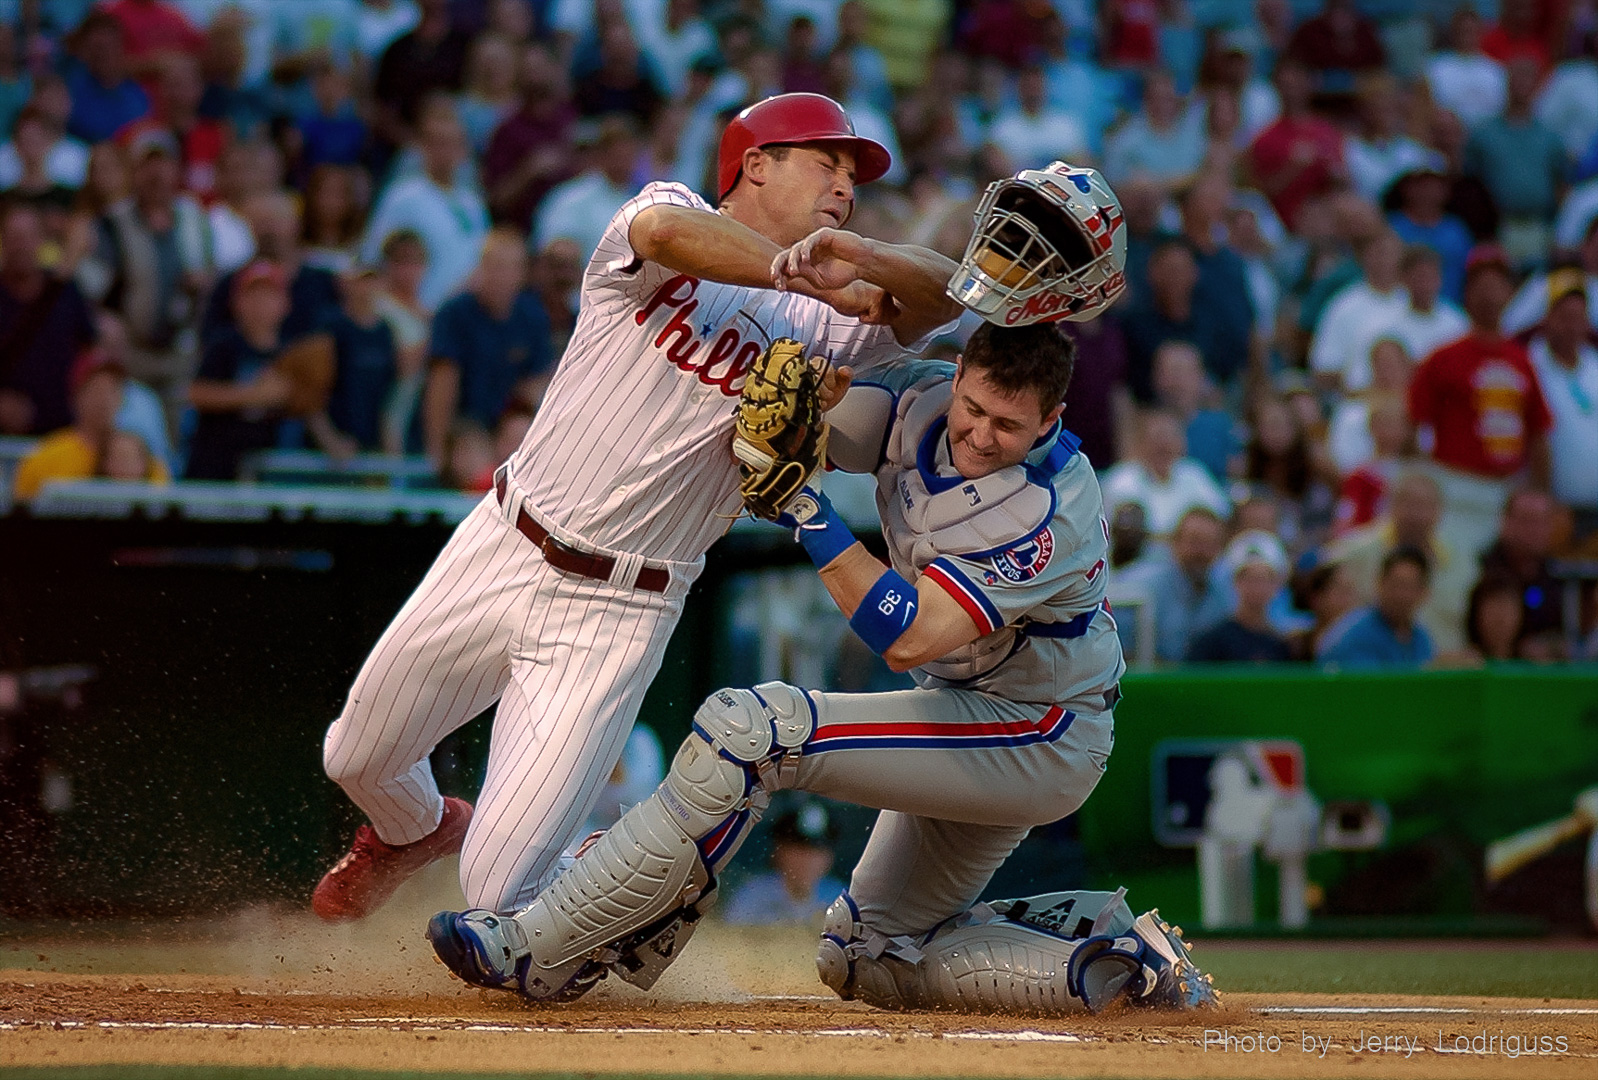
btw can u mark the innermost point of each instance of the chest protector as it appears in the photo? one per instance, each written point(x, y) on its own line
point(925, 515)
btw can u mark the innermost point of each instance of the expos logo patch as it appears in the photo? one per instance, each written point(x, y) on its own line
point(1026, 561)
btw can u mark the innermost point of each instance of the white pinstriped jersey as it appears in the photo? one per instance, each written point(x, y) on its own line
point(632, 448)
point(1024, 551)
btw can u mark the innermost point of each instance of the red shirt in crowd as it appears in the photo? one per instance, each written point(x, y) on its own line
point(1501, 46)
point(1294, 160)
point(1132, 33)
point(1480, 397)
point(1009, 31)
point(149, 26)
point(201, 146)
point(1363, 497)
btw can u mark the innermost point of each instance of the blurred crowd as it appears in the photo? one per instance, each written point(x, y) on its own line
point(1346, 410)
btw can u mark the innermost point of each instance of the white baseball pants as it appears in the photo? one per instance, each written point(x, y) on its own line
point(568, 659)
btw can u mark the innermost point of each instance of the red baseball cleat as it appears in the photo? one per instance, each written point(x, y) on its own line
point(366, 877)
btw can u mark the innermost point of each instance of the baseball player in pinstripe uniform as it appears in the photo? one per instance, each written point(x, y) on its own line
point(995, 600)
point(557, 594)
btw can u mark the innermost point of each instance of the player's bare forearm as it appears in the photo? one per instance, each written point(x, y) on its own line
point(917, 278)
point(703, 245)
point(940, 625)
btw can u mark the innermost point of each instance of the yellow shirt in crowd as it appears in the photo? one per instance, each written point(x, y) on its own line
point(65, 455)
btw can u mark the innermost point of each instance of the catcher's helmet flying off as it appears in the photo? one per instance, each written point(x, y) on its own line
point(1049, 244)
point(791, 119)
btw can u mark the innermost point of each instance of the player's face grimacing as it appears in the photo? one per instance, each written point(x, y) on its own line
point(810, 187)
point(991, 429)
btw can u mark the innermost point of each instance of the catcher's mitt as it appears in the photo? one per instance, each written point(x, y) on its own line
point(780, 440)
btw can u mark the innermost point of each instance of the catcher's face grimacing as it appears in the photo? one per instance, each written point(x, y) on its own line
point(991, 428)
point(1003, 388)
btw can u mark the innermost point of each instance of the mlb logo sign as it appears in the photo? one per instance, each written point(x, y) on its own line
point(1026, 561)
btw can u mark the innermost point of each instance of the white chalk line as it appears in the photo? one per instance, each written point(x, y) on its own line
point(418, 1025)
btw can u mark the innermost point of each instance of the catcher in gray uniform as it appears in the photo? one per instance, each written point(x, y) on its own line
point(994, 600)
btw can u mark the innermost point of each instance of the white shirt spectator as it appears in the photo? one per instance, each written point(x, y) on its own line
point(1568, 105)
point(1348, 435)
point(871, 124)
point(308, 25)
point(1572, 398)
point(1473, 88)
point(1259, 107)
point(1265, 291)
point(1031, 141)
point(580, 209)
point(1423, 332)
point(1575, 215)
point(674, 52)
point(1347, 329)
point(576, 17)
point(1190, 484)
point(452, 223)
point(260, 31)
point(376, 28)
point(201, 12)
point(232, 243)
point(1085, 92)
point(1530, 304)
point(1166, 156)
point(1372, 166)
point(870, 80)
point(66, 164)
point(780, 14)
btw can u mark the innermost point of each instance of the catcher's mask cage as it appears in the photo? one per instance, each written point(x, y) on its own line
point(1049, 244)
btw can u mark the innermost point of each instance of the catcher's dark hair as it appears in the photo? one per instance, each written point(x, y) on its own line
point(1038, 359)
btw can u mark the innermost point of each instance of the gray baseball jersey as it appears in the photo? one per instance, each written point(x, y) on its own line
point(1024, 550)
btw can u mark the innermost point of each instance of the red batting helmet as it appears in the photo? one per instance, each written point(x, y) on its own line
point(795, 118)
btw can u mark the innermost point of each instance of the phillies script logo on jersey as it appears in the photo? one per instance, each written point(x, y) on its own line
point(1026, 561)
point(723, 364)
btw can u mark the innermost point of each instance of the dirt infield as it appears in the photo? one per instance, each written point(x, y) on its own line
point(278, 990)
point(53, 1019)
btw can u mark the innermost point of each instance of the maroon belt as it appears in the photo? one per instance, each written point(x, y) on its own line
point(564, 557)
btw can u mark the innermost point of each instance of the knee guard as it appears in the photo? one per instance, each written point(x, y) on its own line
point(1042, 955)
point(630, 901)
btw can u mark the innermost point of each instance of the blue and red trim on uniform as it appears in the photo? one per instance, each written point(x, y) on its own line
point(922, 735)
point(715, 846)
point(965, 593)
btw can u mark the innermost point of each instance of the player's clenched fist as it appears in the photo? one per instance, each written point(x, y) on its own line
point(826, 259)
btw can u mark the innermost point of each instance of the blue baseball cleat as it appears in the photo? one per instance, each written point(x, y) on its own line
point(477, 948)
point(1149, 965)
point(490, 951)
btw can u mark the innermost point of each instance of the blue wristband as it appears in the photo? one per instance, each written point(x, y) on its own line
point(886, 612)
point(823, 535)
